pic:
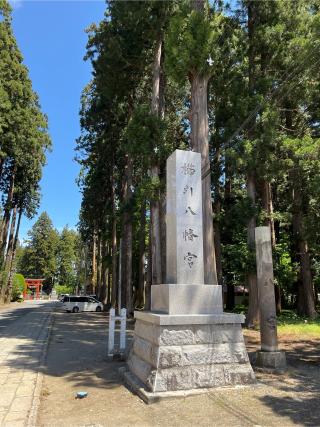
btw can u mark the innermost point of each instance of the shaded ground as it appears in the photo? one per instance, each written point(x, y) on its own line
point(77, 362)
point(23, 336)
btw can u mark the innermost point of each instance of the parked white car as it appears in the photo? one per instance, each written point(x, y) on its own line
point(81, 303)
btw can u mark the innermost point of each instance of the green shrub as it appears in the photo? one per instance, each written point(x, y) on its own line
point(64, 289)
point(18, 286)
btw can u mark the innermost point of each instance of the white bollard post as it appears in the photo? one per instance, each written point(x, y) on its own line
point(111, 332)
point(123, 315)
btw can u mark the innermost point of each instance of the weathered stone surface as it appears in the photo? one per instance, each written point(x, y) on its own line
point(176, 335)
point(186, 299)
point(216, 334)
point(189, 334)
point(267, 304)
point(175, 356)
point(140, 368)
point(271, 360)
point(237, 374)
point(172, 358)
point(189, 319)
point(184, 249)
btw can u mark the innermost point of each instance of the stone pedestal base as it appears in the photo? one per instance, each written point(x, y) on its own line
point(191, 299)
point(175, 353)
point(271, 360)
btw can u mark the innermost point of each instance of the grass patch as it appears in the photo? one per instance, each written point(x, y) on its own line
point(290, 323)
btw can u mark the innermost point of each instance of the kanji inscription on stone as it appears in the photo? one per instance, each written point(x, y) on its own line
point(184, 219)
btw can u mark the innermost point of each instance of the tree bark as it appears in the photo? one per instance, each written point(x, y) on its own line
point(253, 309)
point(104, 272)
point(94, 262)
point(99, 265)
point(155, 172)
point(163, 233)
point(147, 304)
point(200, 143)
point(114, 248)
point(14, 251)
point(127, 300)
point(267, 206)
point(142, 254)
point(6, 217)
point(11, 238)
point(306, 303)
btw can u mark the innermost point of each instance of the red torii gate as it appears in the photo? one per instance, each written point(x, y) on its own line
point(35, 286)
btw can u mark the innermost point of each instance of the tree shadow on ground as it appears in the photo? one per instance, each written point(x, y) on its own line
point(76, 349)
point(301, 382)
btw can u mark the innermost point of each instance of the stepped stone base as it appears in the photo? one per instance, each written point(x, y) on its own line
point(191, 299)
point(174, 353)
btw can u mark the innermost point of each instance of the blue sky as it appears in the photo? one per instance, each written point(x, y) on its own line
point(51, 36)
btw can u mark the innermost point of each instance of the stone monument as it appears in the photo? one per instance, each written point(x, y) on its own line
point(186, 343)
point(269, 357)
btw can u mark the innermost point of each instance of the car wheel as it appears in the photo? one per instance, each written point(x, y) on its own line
point(75, 309)
point(98, 308)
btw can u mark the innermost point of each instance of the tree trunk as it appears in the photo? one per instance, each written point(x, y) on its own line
point(147, 304)
point(114, 248)
point(200, 143)
point(127, 239)
point(217, 244)
point(6, 217)
point(155, 172)
point(253, 310)
point(11, 238)
point(306, 303)
point(104, 272)
point(267, 206)
point(99, 265)
point(14, 251)
point(163, 233)
point(142, 254)
point(94, 263)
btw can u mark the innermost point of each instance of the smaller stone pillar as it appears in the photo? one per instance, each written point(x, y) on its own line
point(269, 357)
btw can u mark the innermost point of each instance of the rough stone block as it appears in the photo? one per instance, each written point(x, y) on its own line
point(271, 360)
point(176, 335)
point(237, 374)
point(174, 357)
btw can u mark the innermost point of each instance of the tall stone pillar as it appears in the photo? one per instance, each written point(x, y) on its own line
point(186, 342)
point(185, 292)
point(269, 356)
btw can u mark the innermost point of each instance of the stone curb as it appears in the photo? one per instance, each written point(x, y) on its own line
point(33, 413)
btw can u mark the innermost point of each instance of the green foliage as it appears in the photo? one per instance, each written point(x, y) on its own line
point(18, 287)
point(64, 289)
point(39, 258)
point(192, 38)
point(67, 257)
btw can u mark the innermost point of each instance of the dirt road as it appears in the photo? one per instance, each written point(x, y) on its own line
point(76, 361)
